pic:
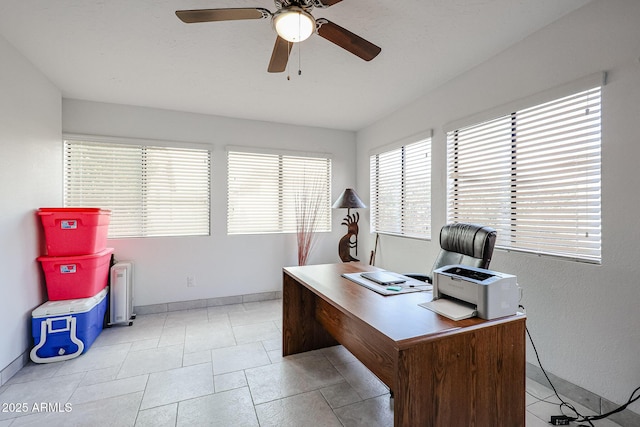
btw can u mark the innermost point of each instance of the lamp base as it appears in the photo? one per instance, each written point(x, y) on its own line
point(345, 244)
point(349, 258)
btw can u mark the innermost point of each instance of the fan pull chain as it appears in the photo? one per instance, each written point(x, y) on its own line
point(299, 62)
point(299, 59)
point(299, 48)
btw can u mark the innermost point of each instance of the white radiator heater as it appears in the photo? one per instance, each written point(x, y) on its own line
point(121, 294)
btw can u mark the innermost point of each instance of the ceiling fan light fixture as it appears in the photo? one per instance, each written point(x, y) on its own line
point(294, 24)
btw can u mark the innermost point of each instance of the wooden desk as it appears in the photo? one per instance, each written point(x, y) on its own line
point(443, 373)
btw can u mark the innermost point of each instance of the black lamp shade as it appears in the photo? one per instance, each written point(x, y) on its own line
point(349, 199)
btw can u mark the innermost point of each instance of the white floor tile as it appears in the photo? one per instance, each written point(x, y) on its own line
point(152, 360)
point(127, 334)
point(151, 320)
point(229, 381)
point(533, 421)
point(176, 385)
point(161, 416)
point(196, 358)
point(104, 390)
point(187, 317)
point(338, 355)
point(236, 358)
point(256, 332)
point(100, 375)
point(224, 309)
point(207, 336)
point(362, 380)
point(341, 394)
point(375, 412)
point(145, 344)
point(35, 371)
point(292, 376)
point(172, 335)
point(241, 318)
point(115, 411)
point(96, 358)
point(538, 390)
point(297, 411)
point(50, 390)
point(229, 408)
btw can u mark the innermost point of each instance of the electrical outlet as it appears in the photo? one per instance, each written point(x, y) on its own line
point(191, 282)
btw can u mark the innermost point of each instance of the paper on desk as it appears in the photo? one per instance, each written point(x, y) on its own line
point(410, 285)
point(454, 310)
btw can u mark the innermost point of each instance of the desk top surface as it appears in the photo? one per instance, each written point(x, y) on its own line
point(396, 316)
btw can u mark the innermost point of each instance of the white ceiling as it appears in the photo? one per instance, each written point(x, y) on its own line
point(137, 52)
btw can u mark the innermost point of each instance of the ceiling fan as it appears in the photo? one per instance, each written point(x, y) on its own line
point(293, 23)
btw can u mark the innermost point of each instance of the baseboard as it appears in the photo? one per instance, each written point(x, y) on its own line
point(12, 368)
point(204, 303)
point(584, 397)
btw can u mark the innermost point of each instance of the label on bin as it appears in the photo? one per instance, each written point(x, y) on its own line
point(68, 268)
point(69, 224)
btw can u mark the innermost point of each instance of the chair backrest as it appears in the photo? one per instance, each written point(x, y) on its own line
point(467, 244)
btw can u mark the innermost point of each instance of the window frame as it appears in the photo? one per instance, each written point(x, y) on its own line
point(587, 249)
point(404, 222)
point(277, 171)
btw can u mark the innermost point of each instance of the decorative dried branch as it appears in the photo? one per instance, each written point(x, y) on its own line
point(310, 208)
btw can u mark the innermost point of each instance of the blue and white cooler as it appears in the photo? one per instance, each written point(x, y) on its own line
point(65, 329)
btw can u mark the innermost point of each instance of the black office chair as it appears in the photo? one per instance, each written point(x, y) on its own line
point(463, 243)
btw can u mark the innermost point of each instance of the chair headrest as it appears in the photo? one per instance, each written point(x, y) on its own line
point(468, 239)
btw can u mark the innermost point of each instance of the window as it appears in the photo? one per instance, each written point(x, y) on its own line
point(150, 190)
point(400, 184)
point(534, 175)
point(264, 188)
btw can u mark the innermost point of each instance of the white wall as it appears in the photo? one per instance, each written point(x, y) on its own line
point(584, 318)
point(222, 265)
point(30, 177)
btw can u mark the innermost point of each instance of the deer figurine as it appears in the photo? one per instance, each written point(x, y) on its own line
point(345, 244)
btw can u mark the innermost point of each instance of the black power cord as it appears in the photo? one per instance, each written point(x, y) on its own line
point(565, 419)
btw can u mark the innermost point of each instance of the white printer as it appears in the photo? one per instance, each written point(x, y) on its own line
point(493, 294)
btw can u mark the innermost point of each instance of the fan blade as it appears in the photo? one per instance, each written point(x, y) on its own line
point(211, 15)
point(347, 40)
point(325, 3)
point(280, 56)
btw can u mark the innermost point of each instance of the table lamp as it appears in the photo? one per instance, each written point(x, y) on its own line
point(349, 199)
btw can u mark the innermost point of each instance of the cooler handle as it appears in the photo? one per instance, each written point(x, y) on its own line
point(47, 327)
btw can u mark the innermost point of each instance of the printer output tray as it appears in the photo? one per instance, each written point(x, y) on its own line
point(453, 309)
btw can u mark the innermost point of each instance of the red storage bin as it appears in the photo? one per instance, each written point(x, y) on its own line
point(73, 277)
point(75, 231)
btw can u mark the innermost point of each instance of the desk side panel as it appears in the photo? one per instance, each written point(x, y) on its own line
point(300, 330)
point(474, 378)
point(376, 351)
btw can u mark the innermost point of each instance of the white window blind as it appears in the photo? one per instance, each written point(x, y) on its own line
point(534, 175)
point(263, 190)
point(151, 191)
point(400, 188)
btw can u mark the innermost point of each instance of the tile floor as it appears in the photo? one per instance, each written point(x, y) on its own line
point(219, 366)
